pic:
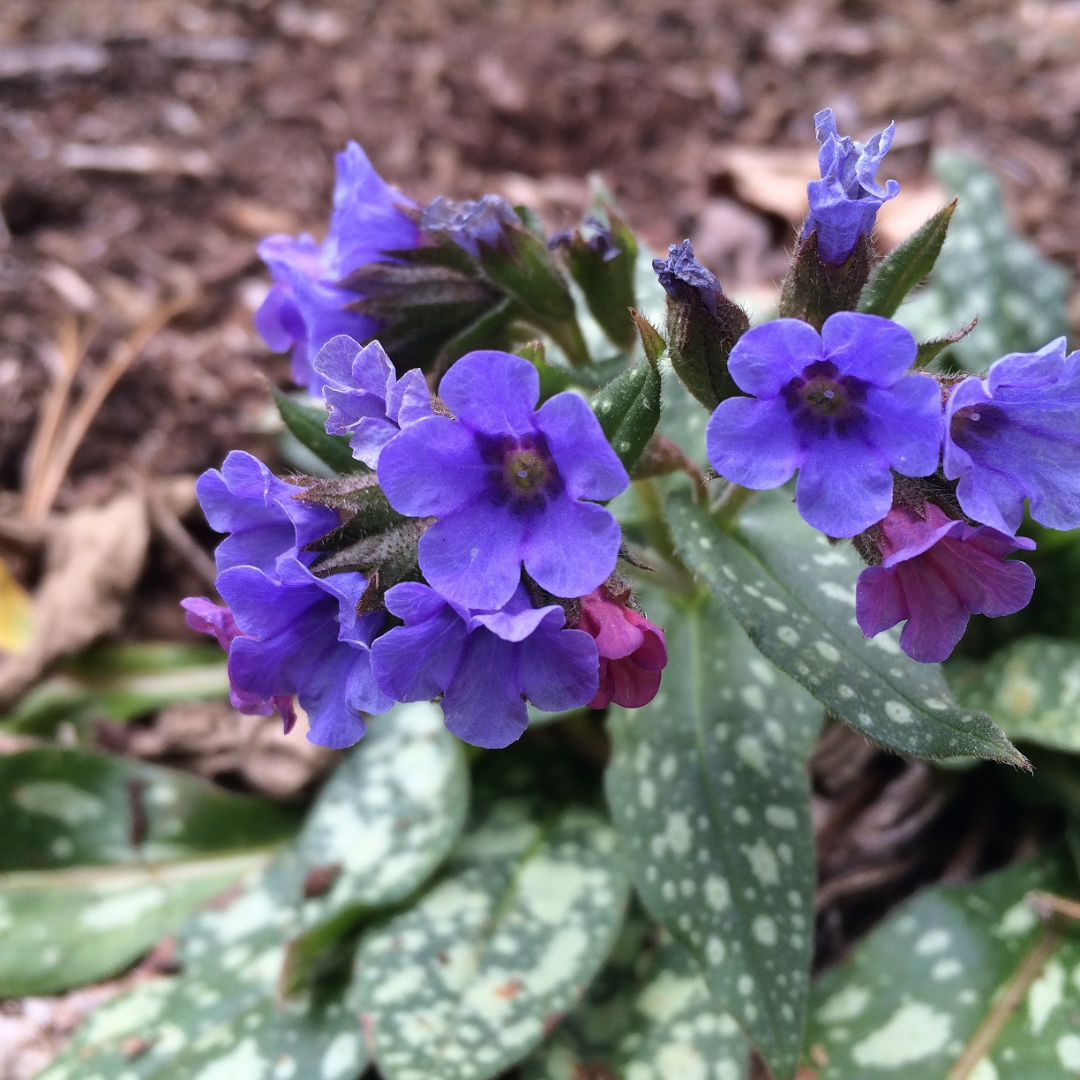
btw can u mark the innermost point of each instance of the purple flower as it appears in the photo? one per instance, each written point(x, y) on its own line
point(680, 273)
point(838, 407)
point(471, 224)
point(845, 201)
point(484, 663)
point(207, 617)
point(508, 485)
point(366, 399)
point(935, 573)
point(300, 635)
point(306, 307)
point(265, 521)
point(1016, 434)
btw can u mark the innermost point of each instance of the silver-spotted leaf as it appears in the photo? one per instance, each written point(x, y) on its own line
point(467, 981)
point(708, 789)
point(962, 981)
point(794, 594)
point(1031, 688)
point(647, 1016)
point(65, 928)
point(64, 807)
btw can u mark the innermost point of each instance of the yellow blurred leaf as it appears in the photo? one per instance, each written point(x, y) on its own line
point(16, 614)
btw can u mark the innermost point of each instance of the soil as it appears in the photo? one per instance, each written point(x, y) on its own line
point(145, 147)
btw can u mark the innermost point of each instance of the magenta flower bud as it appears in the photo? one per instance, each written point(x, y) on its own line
point(935, 573)
point(632, 651)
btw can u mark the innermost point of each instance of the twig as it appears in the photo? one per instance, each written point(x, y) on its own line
point(1006, 1004)
point(172, 530)
point(1048, 905)
point(42, 496)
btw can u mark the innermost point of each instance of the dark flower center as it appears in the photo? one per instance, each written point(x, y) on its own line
point(822, 400)
point(523, 473)
point(973, 423)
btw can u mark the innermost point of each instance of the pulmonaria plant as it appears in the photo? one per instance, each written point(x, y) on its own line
point(473, 537)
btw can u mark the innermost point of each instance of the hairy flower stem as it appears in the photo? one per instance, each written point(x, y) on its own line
point(730, 505)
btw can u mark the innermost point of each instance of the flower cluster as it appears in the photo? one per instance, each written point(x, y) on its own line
point(518, 599)
point(846, 410)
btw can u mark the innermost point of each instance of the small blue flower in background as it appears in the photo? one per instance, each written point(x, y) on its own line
point(839, 407)
point(845, 201)
point(301, 635)
point(509, 485)
point(484, 663)
point(1016, 434)
point(935, 573)
point(680, 273)
point(366, 399)
point(306, 306)
point(471, 224)
point(259, 511)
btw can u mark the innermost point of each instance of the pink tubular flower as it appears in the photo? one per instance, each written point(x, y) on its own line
point(632, 650)
point(936, 572)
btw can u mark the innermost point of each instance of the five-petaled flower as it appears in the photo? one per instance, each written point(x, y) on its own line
point(1016, 434)
point(510, 484)
point(839, 407)
point(935, 573)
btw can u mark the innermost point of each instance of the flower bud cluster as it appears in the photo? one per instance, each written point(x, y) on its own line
point(510, 595)
point(929, 476)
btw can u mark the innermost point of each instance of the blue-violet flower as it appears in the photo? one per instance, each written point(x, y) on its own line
point(301, 635)
point(838, 407)
point(1017, 434)
point(207, 617)
point(306, 306)
point(366, 399)
point(259, 511)
point(485, 664)
point(508, 484)
point(845, 201)
point(935, 573)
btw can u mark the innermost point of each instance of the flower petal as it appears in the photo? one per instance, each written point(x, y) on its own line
point(473, 555)
point(432, 468)
point(769, 356)
point(416, 663)
point(879, 600)
point(588, 465)
point(753, 443)
point(492, 392)
point(905, 423)
point(571, 547)
point(876, 350)
point(844, 486)
point(483, 703)
point(558, 669)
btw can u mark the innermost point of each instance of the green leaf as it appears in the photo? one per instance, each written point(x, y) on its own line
point(308, 424)
point(465, 983)
point(628, 409)
point(986, 271)
point(905, 266)
point(1031, 688)
point(220, 1020)
point(794, 594)
point(120, 683)
point(65, 928)
point(64, 807)
point(708, 789)
point(379, 828)
point(962, 981)
point(929, 351)
point(648, 1014)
